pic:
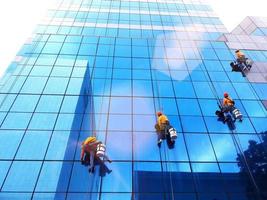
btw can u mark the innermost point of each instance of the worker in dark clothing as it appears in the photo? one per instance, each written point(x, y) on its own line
point(164, 129)
point(91, 150)
point(238, 68)
point(243, 62)
point(240, 56)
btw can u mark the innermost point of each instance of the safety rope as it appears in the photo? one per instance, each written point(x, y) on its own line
point(256, 96)
point(160, 108)
point(102, 92)
point(211, 84)
point(170, 173)
point(102, 100)
point(238, 146)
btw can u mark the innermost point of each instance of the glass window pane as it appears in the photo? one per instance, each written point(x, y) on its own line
point(34, 85)
point(120, 123)
point(184, 89)
point(43, 121)
point(208, 177)
point(16, 121)
point(142, 88)
point(139, 125)
point(17, 181)
point(15, 196)
point(6, 101)
point(121, 171)
point(31, 141)
point(52, 86)
point(121, 88)
point(188, 107)
point(199, 148)
point(43, 196)
point(73, 104)
point(66, 149)
point(9, 143)
point(61, 71)
point(144, 141)
point(199, 125)
point(49, 103)
point(116, 150)
point(76, 86)
point(119, 105)
point(69, 122)
point(25, 103)
point(224, 147)
point(54, 177)
point(4, 166)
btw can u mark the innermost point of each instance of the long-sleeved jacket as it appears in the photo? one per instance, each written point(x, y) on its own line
point(162, 119)
point(89, 144)
point(227, 101)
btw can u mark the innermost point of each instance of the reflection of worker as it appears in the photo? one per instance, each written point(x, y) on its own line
point(89, 150)
point(161, 126)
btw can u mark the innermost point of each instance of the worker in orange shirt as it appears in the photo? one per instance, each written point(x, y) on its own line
point(228, 103)
point(228, 111)
point(229, 108)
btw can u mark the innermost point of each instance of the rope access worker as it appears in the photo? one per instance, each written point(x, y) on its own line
point(228, 103)
point(229, 108)
point(240, 56)
point(164, 129)
point(243, 62)
point(92, 149)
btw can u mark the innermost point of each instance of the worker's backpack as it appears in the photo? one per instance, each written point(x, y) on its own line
point(100, 150)
point(249, 62)
point(173, 133)
point(237, 114)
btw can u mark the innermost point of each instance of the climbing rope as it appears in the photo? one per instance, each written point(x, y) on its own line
point(159, 107)
point(238, 147)
point(237, 143)
point(211, 84)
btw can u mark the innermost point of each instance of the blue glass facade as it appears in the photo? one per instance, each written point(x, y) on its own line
point(105, 67)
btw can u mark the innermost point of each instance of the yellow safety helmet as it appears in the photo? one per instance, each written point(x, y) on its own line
point(89, 140)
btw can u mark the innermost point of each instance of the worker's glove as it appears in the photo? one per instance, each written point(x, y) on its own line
point(91, 169)
point(82, 162)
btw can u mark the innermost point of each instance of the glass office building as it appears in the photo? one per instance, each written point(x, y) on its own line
point(104, 67)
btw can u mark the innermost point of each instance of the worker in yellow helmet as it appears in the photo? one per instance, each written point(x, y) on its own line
point(161, 127)
point(89, 148)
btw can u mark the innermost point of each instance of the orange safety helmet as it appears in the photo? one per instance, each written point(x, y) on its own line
point(159, 113)
point(225, 95)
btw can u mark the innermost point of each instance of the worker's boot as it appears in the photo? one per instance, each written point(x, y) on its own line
point(159, 142)
point(91, 169)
